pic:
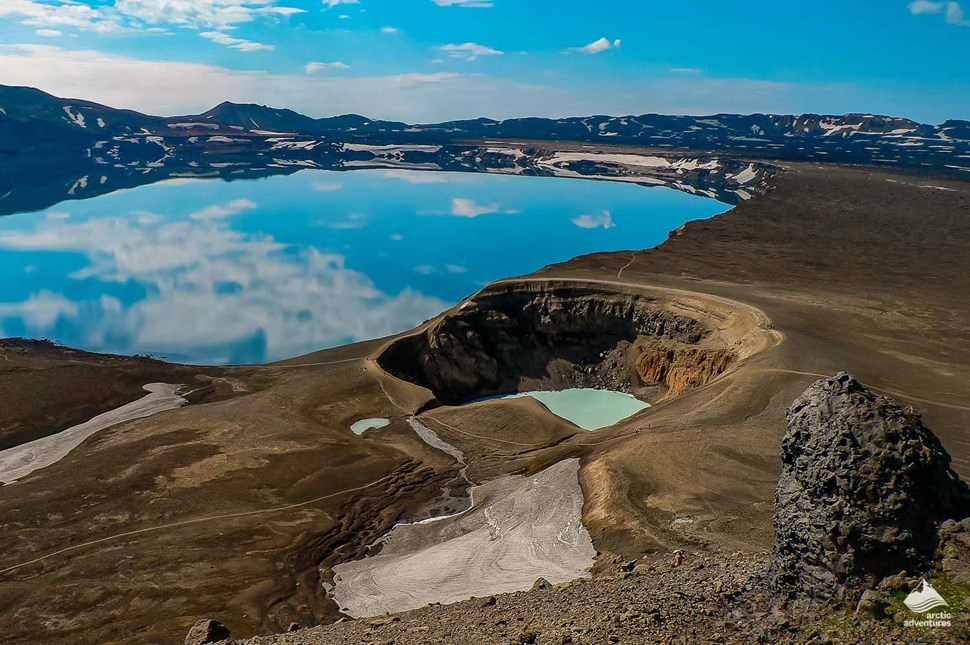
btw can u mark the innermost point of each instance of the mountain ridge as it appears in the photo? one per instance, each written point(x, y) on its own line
point(54, 149)
point(75, 112)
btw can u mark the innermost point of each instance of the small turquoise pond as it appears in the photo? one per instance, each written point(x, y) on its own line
point(587, 408)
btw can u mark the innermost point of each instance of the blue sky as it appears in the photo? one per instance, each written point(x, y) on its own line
point(428, 60)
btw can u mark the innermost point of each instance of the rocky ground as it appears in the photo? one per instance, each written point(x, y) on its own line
point(713, 599)
point(865, 495)
point(45, 387)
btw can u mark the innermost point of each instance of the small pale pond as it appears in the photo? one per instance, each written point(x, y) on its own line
point(362, 426)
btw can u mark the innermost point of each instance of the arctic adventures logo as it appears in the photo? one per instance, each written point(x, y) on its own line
point(923, 599)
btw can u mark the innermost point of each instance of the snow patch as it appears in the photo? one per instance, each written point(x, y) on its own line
point(222, 139)
point(81, 184)
point(746, 175)
point(188, 126)
point(393, 149)
point(76, 119)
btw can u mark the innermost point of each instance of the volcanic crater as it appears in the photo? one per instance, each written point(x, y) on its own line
point(519, 336)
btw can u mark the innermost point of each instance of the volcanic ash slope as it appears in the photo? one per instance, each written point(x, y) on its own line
point(520, 529)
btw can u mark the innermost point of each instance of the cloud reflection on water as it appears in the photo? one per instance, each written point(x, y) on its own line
point(211, 289)
point(252, 271)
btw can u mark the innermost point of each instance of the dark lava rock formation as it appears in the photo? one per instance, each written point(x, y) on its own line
point(517, 338)
point(864, 489)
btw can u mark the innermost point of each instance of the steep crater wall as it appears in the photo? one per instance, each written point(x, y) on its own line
point(546, 336)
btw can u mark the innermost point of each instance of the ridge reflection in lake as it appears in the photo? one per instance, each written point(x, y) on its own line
point(253, 271)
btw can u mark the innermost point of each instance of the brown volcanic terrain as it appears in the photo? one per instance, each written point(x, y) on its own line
point(227, 507)
point(46, 388)
point(860, 270)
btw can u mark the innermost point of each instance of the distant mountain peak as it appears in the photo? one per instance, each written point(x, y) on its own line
point(849, 138)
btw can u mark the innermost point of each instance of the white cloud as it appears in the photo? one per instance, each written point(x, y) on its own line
point(470, 51)
point(390, 30)
point(41, 310)
point(321, 186)
point(124, 15)
point(314, 67)
point(686, 70)
point(428, 177)
point(62, 14)
point(427, 269)
point(464, 3)
point(221, 211)
point(210, 13)
point(351, 222)
point(235, 43)
point(330, 4)
point(461, 207)
point(953, 12)
point(292, 299)
point(598, 46)
point(955, 15)
point(416, 177)
point(603, 220)
point(164, 87)
point(145, 218)
point(922, 6)
point(48, 33)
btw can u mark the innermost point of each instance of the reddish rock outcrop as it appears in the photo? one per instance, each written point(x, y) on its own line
point(680, 367)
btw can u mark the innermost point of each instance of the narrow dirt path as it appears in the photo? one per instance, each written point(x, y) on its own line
point(619, 274)
point(198, 520)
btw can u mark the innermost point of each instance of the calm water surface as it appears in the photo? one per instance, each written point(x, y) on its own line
point(588, 408)
point(253, 271)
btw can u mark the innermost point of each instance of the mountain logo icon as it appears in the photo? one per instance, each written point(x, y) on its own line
point(924, 598)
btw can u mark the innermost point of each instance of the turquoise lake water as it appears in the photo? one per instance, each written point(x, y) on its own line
point(588, 408)
point(207, 271)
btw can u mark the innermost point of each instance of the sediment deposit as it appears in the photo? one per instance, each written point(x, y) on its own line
point(24, 459)
point(520, 529)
